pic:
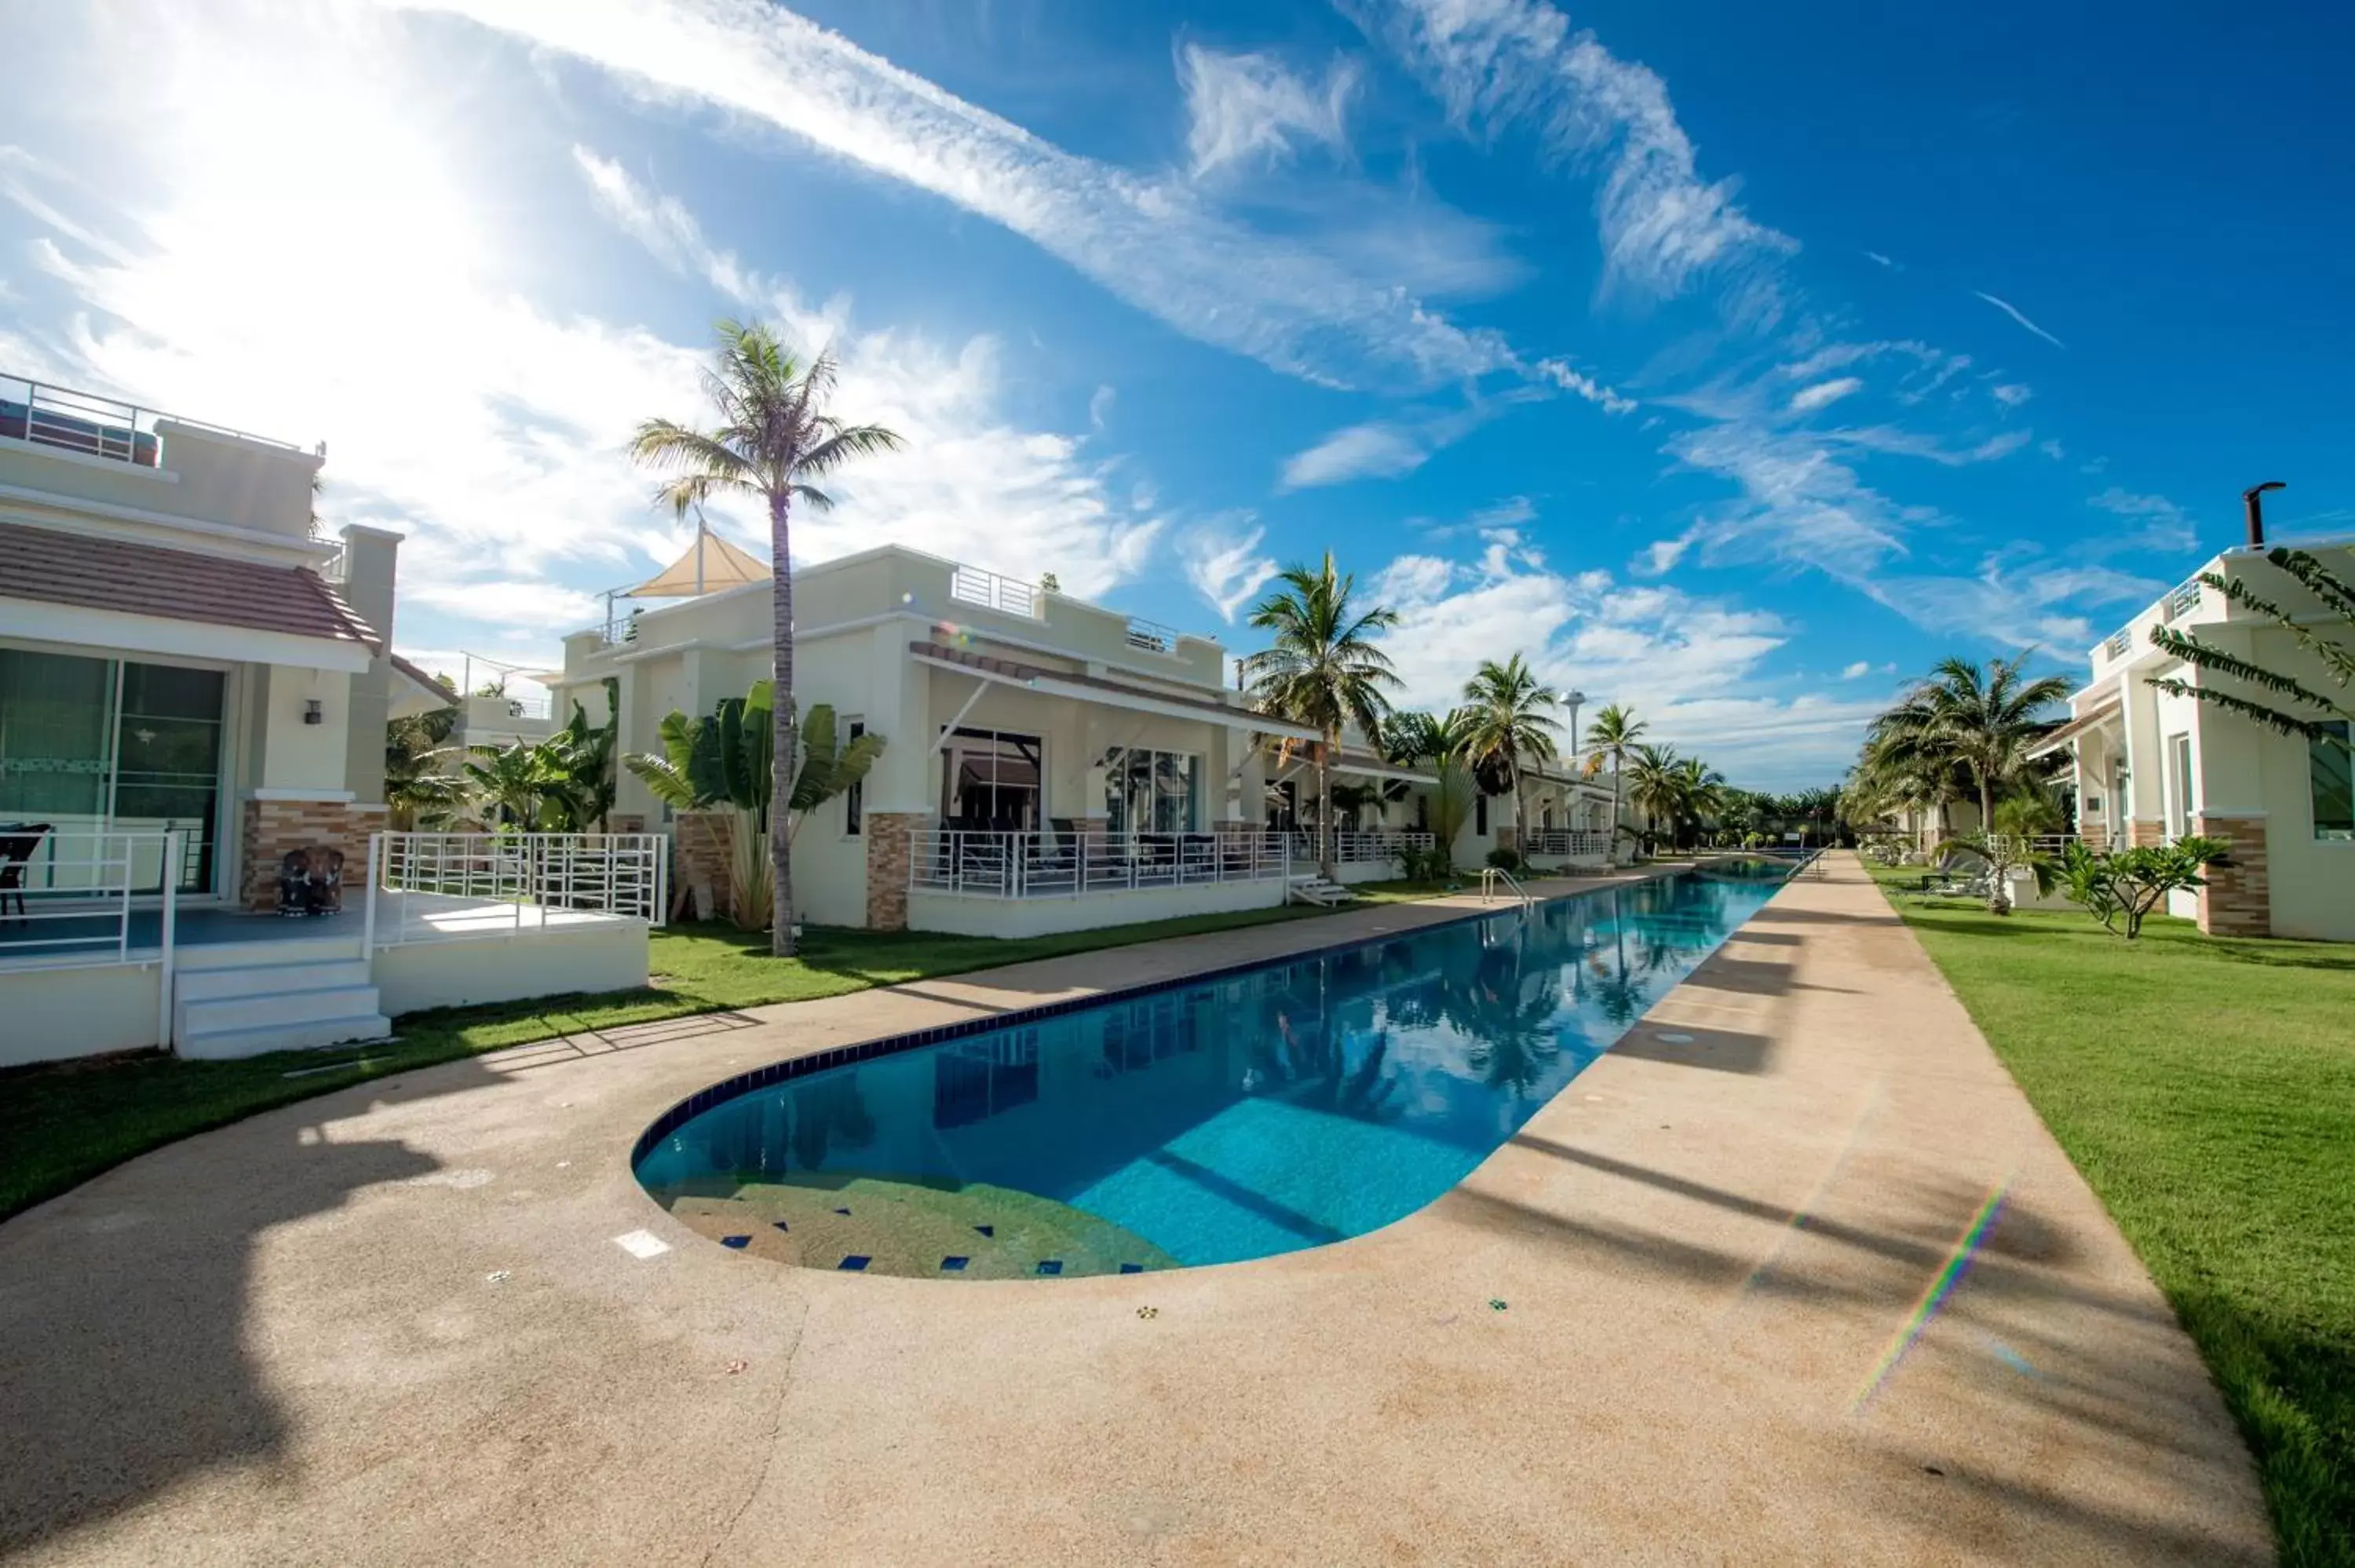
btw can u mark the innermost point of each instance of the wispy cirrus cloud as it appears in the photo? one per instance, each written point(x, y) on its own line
point(1152, 241)
point(1378, 449)
point(1222, 562)
point(1250, 107)
point(2164, 525)
point(1499, 62)
point(1823, 394)
point(2008, 308)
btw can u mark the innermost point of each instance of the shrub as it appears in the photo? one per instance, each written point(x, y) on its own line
point(2131, 884)
point(1507, 860)
point(1433, 865)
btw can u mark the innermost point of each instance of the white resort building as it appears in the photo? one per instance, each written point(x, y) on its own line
point(194, 689)
point(2148, 766)
point(1050, 764)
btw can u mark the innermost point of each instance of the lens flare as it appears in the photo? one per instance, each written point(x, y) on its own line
point(1933, 1299)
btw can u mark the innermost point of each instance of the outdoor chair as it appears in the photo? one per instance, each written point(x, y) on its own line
point(311, 882)
point(19, 843)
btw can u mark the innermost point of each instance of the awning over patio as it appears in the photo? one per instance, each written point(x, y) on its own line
point(1366, 764)
point(1082, 688)
point(2066, 736)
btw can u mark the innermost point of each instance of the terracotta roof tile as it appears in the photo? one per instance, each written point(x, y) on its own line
point(92, 572)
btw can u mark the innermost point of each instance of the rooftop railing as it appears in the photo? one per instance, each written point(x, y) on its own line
point(988, 590)
point(1151, 636)
point(104, 427)
point(2182, 602)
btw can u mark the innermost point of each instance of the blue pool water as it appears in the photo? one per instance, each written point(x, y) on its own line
point(1254, 1113)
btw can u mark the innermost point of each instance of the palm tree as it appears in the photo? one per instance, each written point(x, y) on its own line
point(774, 437)
point(1981, 720)
point(1324, 670)
point(510, 784)
point(416, 789)
point(1656, 784)
point(1702, 790)
point(1610, 735)
point(1505, 725)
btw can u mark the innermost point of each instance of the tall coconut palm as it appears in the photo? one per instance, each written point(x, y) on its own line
point(1702, 790)
point(1324, 670)
point(1610, 735)
point(1508, 728)
point(1981, 720)
point(775, 437)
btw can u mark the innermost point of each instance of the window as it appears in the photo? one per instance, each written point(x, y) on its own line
point(89, 744)
point(854, 799)
point(1480, 815)
point(2180, 801)
point(991, 782)
point(1152, 791)
point(2332, 772)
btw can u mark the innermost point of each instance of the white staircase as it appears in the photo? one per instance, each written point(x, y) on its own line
point(241, 999)
point(1311, 887)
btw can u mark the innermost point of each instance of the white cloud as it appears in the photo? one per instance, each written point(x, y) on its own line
point(1857, 670)
point(1249, 108)
point(2052, 449)
point(1099, 407)
point(2011, 393)
point(1152, 242)
point(1581, 384)
point(1877, 257)
point(1497, 62)
point(1221, 558)
point(1380, 448)
point(2013, 311)
point(1807, 399)
point(1690, 667)
point(2164, 525)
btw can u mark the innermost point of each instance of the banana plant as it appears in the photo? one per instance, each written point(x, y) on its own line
point(724, 760)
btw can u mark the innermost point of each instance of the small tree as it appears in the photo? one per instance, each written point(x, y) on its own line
point(725, 759)
point(2004, 854)
point(2128, 885)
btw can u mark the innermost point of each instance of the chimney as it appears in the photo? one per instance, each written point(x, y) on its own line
point(2254, 498)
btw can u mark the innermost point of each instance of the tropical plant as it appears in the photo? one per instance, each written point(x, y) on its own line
point(1655, 784)
point(725, 759)
point(1506, 727)
point(773, 439)
point(1980, 721)
point(1324, 670)
point(419, 790)
point(579, 765)
point(1412, 736)
point(1611, 735)
point(2130, 885)
point(2332, 720)
point(508, 785)
point(2003, 853)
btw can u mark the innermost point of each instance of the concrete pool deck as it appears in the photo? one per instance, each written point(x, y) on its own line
point(393, 1325)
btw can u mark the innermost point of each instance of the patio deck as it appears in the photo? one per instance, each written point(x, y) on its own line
point(1794, 1273)
point(400, 917)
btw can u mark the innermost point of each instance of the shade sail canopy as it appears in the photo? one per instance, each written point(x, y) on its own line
point(710, 564)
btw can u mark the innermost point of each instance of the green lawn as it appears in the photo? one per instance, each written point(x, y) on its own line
point(63, 1124)
point(2206, 1089)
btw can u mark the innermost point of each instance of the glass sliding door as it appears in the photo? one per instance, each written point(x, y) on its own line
point(1152, 791)
point(991, 782)
point(89, 745)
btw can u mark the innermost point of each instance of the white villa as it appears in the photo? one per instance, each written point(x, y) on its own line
point(1050, 764)
point(193, 687)
point(2146, 765)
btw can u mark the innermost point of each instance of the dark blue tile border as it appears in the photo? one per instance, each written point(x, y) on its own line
point(795, 1067)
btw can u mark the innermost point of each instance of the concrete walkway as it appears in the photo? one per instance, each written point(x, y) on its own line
point(392, 1325)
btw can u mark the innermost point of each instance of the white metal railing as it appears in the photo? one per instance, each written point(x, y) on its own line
point(1354, 847)
point(427, 888)
point(1576, 843)
point(992, 591)
point(1151, 636)
point(2120, 640)
point(992, 864)
point(72, 899)
point(2182, 601)
point(94, 426)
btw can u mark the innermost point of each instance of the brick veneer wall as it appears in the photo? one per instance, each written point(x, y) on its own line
point(2238, 900)
point(886, 866)
point(271, 828)
point(2144, 833)
point(701, 846)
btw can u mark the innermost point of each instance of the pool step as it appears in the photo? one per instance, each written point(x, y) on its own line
point(290, 1004)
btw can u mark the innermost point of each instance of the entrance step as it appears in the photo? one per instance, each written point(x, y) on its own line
point(288, 996)
point(1312, 888)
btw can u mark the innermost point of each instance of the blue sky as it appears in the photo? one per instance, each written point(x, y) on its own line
point(1730, 362)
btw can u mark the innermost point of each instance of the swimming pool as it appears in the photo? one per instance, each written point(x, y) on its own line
point(1227, 1117)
